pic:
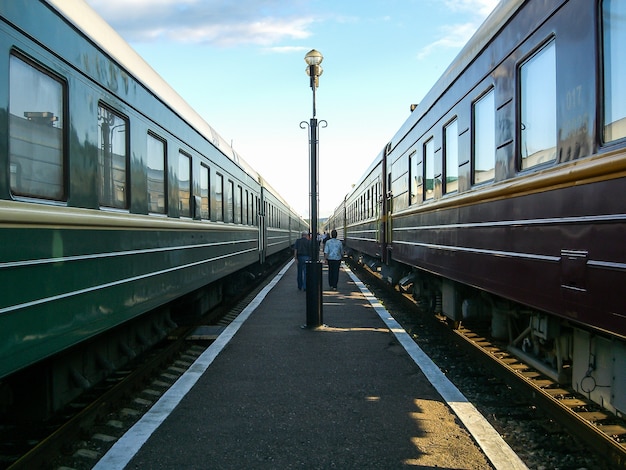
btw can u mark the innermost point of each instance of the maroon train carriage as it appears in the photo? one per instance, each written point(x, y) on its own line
point(502, 195)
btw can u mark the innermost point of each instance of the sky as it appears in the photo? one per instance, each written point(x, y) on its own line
point(240, 65)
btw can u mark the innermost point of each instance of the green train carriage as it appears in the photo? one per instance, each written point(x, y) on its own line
point(116, 199)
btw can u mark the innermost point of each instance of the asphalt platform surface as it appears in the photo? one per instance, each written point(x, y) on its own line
point(345, 395)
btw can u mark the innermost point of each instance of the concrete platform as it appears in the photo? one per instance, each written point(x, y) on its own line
point(354, 393)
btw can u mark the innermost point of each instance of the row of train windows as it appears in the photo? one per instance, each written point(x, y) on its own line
point(538, 135)
point(366, 206)
point(538, 123)
point(37, 165)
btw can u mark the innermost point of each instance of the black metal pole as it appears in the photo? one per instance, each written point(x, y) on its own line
point(314, 314)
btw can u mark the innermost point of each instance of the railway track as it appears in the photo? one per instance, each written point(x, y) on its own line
point(584, 419)
point(98, 405)
point(92, 424)
point(601, 432)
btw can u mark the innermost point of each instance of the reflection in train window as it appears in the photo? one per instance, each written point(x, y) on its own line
point(250, 208)
point(219, 198)
point(156, 175)
point(614, 68)
point(451, 158)
point(399, 185)
point(229, 215)
point(184, 184)
point(246, 203)
point(429, 168)
point(417, 177)
point(112, 159)
point(36, 145)
point(204, 193)
point(254, 201)
point(238, 205)
point(484, 138)
point(538, 108)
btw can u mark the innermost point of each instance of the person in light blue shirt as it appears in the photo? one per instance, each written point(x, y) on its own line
point(333, 252)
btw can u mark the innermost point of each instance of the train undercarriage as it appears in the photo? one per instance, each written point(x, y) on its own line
point(592, 363)
point(39, 392)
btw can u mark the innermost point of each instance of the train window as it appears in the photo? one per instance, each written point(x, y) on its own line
point(255, 210)
point(247, 205)
point(614, 68)
point(229, 214)
point(538, 108)
point(400, 182)
point(362, 206)
point(484, 138)
point(184, 183)
point(205, 207)
point(417, 177)
point(250, 209)
point(429, 169)
point(156, 175)
point(36, 143)
point(112, 159)
point(238, 205)
point(451, 157)
point(219, 198)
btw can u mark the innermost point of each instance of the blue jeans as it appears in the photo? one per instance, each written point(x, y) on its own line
point(302, 271)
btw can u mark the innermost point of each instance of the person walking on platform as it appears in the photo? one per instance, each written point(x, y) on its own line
point(333, 252)
point(302, 254)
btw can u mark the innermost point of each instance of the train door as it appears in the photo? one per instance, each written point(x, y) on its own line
point(262, 227)
point(386, 211)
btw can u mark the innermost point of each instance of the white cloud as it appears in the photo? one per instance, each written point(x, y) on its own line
point(481, 7)
point(455, 36)
point(219, 22)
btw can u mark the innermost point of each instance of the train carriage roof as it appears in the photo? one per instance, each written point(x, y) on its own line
point(496, 20)
point(92, 25)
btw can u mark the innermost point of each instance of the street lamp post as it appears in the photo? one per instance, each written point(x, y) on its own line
point(314, 315)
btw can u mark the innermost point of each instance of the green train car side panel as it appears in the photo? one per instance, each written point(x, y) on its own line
point(62, 286)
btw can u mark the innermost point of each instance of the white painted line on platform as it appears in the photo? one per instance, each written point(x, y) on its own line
point(129, 444)
point(495, 448)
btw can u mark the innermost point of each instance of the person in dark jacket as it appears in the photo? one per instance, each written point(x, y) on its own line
point(302, 254)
